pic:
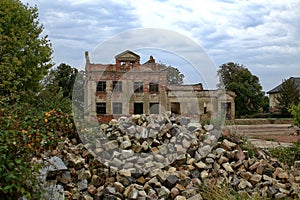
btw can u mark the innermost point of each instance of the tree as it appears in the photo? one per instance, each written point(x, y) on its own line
point(288, 95)
point(64, 77)
point(295, 112)
point(174, 76)
point(249, 95)
point(25, 55)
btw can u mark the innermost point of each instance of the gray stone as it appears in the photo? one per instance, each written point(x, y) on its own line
point(116, 162)
point(229, 144)
point(223, 159)
point(208, 127)
point(77, 162)
point(163, 149)
point(56, 164)
point(209, 160)
point(53, 192)
point(280, 196)
point(196, 197)
point(96, 181)
point(127, 153)
point(159, 158)
point(126, 144)
point(200, 165)
point(145, 145)
point(131, 130)
point(244, 184)
point(227, 167)
point(186, 143)
point(220, 151)
point(125, 172)
point(204, 174)
point(82, 185)
point(180, 198)
point(171, 181)
point(133, 194)
point(256, 178)
point(110, 145)
point(143, 132)
point(163, 192)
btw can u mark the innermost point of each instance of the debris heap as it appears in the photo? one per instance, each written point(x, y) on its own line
point(160, 157)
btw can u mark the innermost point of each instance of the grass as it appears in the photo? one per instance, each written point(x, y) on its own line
point(287, 155)
point(216, 192)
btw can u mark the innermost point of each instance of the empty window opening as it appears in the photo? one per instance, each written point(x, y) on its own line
point(101, 86)
point(117, 108)
point(138, 108)
point(100, 108)
point(153, 87)
point(117, 86)
point(138, 87)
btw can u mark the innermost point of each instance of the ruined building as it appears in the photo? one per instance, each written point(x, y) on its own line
point(129, 87)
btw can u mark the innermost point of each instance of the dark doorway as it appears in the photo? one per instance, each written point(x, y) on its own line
point(226, 109)
point(138, 108)
point(175, 108)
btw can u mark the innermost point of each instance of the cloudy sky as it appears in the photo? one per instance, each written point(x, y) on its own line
point(264, 36)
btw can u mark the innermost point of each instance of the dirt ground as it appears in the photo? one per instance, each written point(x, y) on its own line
point(269, 135)
point(280, 138)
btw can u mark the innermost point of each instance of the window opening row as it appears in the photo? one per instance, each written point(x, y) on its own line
point(138, 87)
point(117, 108)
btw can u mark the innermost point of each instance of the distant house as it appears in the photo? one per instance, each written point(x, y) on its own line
point(273, 94)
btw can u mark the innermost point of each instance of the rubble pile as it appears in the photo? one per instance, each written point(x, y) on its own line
point(160, 157)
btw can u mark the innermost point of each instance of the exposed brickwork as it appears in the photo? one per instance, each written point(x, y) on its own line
point(190, 100)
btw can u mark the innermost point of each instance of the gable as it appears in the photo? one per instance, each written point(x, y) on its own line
point(127, 55)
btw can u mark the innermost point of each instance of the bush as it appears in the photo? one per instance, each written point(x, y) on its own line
point(295, 112)
point(26, 132)
point(287, 155)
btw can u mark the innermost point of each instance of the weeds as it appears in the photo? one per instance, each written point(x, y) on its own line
point(287, 155)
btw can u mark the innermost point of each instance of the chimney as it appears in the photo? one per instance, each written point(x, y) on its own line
point(87, 63)
point(151, 59)
point(87, 58)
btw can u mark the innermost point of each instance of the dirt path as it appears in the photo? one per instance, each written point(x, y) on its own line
point(268, 135)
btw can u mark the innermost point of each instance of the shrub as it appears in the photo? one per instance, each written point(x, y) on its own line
point(26, 132)
point(287, 155)
point(295, 111)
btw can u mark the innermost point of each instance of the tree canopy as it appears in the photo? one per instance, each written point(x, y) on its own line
point(64, 77)
point(174, 76)
point(288, 95)
point(25, 55)
point(237, 78)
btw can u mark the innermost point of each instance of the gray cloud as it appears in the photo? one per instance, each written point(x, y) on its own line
point(262, 35)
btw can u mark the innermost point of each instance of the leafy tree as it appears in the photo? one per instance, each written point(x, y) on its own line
point(288, 95)
point(266, 104)
point(295, 112)
point(25, 55)
point(249, 95)
point(174, 76)
point(63, 78)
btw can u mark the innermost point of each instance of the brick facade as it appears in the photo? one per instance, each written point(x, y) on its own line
point(129, 87)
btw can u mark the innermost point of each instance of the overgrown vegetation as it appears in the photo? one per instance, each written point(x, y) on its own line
point(223, 192)
point(295, 112)
point(27, 131)
point(287, 155)
point(35, 103)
